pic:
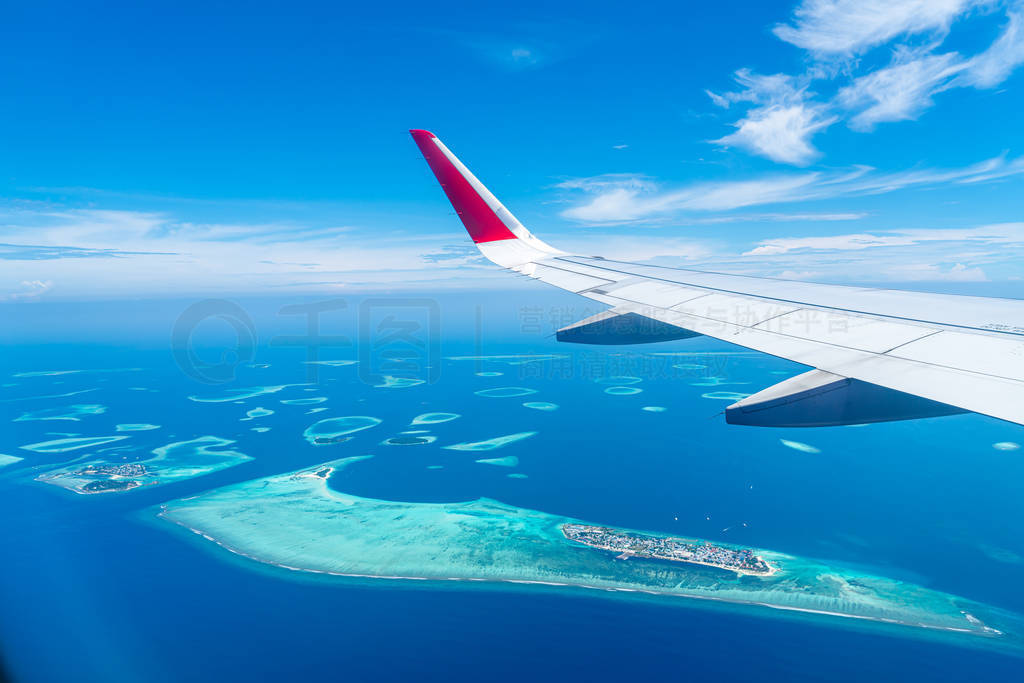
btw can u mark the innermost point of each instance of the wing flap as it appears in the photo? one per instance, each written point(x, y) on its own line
point(560, 277)
point(660, 294)
point(733, 309)
point(995, 356)
point(843, 329)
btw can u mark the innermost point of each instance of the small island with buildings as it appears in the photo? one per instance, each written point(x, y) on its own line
point(631, 544)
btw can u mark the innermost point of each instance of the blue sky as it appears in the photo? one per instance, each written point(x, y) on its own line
point(221, 148)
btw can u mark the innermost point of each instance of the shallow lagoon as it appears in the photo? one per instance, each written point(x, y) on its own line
point(334, 429)
point(505, 392)
point(73, 413)
point(170, 463)
point(295, 521)
point(6, 460)
point(490, 444)
point(71, 443)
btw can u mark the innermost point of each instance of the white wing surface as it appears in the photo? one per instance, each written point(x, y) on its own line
point(877, 354)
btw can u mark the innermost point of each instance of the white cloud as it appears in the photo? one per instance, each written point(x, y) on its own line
point(849, 27)
point(783, 117)
point(640, 199)
point(935, 272)
point(610, 181)
point(169, 262)
point(725, 196)
point(615, 205)
point(900, 91)
point(782, 126)
point(918, 255)
point(999, 233)
point(982, 171)
point(780, 133)
point(28, 289)
point(512, 56)
point(642, 248)
point(991, 67)
point(761, 89)
point(799, 274)
point(94, 254)
point(782, 217)
point(968, 254)
point(826, 243)
point(719, 100)
point(623, 198)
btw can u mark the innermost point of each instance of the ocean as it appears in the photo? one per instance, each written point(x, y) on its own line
point(97, 588)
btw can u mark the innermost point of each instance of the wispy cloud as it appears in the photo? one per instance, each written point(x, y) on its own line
point(622, 199)
point(28, 289)
point(900, 91)
point(186, 266)
point(991, 67)
point(845, 28)
point(512, 55)
point(853, 242)
point(946, 254)
point(101, 253)
point(972, 254)
point(38, 252)
point(782, 217)
point(463, 253)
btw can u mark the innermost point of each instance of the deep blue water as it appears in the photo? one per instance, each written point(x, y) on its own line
point(91, 589)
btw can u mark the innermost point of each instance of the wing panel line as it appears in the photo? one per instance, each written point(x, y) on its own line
point(804, 304)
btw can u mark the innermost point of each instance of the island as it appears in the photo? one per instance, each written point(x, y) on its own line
point(166, 464)
point(629, 544)
point(324, 440)
point(304, 522)
point(111, 477)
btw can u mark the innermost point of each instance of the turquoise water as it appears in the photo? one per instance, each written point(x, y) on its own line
point(921, 519)
point(304, 521)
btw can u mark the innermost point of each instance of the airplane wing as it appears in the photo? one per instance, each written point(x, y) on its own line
point(877, 354)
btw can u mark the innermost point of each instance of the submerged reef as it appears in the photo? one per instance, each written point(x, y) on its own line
point(312, 400)
point(256, 413)
point(241, 394)
point(505, 392)
point(434, 418)
point(294, 521)
point(337, 429)
point(490, 444)
point(389, 382)
point(724, 395)
point(72, 413)
point(6, 460)
point(798, 446)
point(70, 444)
point(507, 461)
point(623, 391)
point(137, 427)
point(619, 380)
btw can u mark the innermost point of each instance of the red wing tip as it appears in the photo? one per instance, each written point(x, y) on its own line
point(418, 134)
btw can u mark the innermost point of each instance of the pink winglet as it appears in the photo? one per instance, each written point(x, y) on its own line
point(480, 220)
